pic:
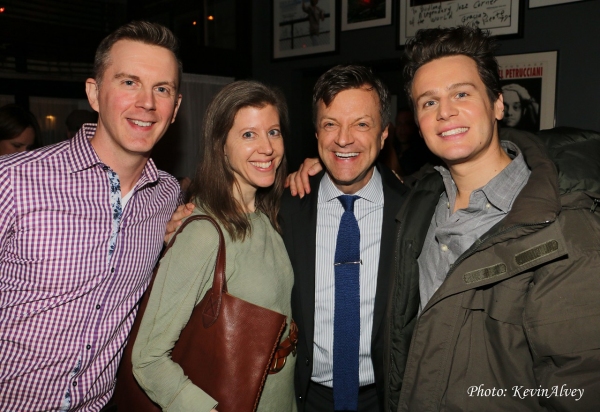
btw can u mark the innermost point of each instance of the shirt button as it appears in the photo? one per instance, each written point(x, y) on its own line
point(97, 306)
point(487, 206)
point(307, 362)
point(444, 248)
point(88, 347)
point(74, 383)
point(112, 270)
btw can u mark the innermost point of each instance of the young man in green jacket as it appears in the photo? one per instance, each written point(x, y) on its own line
point(505, 256)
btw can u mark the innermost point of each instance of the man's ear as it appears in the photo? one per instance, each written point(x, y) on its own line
point(177, 106)
point(499, 107)
point(91, 89)
point(384, 135)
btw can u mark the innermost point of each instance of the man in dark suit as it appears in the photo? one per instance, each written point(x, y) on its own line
point(351, 111)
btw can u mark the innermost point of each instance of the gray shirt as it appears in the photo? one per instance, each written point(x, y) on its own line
point(451, 234)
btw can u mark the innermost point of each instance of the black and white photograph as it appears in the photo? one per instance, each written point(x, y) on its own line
point(522, 101)
point(500, 17)
point(528, 90)
point(362, 14)
point(303, 27)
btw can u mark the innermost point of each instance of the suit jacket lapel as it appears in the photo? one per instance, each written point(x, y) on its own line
point(393, 195)
point(305, 233)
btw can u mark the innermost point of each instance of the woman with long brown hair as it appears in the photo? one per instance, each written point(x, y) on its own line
point(239, 182)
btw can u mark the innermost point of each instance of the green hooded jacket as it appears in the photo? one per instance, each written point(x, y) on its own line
point(516, 323)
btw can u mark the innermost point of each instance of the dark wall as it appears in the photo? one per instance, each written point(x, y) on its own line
point(572, 29)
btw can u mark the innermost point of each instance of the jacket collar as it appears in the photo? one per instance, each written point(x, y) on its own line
point(539, 200)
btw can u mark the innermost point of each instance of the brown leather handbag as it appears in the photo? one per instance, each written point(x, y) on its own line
point(225, 349)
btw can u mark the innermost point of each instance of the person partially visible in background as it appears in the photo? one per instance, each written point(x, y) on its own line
point(19, 129)
point(77, 118)
point(405, 152)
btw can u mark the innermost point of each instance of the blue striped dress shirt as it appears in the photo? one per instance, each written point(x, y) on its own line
point(369, 214)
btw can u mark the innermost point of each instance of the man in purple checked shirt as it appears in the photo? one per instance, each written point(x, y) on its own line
point(81, 227)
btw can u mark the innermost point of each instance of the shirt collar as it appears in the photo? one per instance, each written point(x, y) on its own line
point(502, 190)
point(83, 156)
point(372, 191)
point(149, 174)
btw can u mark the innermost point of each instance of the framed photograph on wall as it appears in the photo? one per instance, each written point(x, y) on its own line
point(360, 14)
point(528, 90)
point(303, 27)
point(500, 17)
point(542, 3)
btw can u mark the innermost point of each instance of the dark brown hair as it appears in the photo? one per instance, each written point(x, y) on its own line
point(141, 31)
point(340, 78)
point(14, 120)
point(213, 185)
point(432, 44)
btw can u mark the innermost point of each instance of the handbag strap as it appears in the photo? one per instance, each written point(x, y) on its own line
point(213, 307)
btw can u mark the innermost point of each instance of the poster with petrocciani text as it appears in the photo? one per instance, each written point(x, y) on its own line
point(529, 90)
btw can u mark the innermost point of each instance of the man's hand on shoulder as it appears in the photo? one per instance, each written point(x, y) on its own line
point(180, 213)
point(298, 181)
